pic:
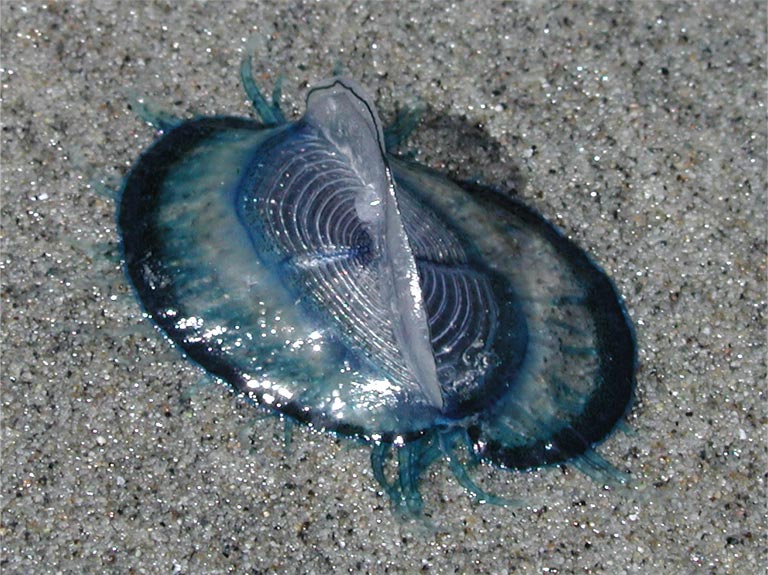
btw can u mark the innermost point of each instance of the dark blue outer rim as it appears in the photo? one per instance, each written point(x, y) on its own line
point(135, 223)
point(615, 334)
point(608, 404)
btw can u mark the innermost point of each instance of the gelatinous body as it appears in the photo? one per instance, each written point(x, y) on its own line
point(373, 297)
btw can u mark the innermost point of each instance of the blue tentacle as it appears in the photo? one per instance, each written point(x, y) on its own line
point(447, 443)
point(270, 113)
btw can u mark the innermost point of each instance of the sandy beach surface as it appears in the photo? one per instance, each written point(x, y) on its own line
point(639, 129)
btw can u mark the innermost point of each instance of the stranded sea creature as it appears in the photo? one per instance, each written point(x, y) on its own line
point(372, 297)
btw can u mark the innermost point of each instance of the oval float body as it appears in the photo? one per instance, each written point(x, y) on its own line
point(371, 296)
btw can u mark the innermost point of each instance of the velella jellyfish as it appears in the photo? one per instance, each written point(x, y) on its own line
point(370, 296)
